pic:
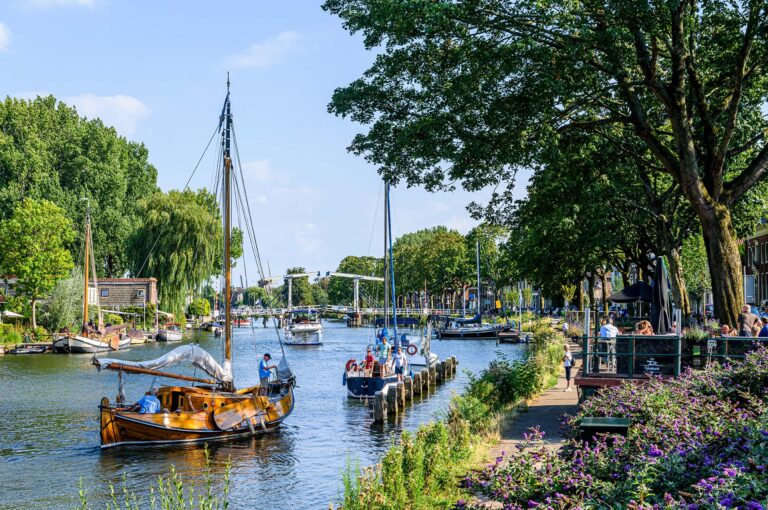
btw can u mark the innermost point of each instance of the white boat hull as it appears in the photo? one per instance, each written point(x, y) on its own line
point(305, 338)
point(299, 329)
point(169, 336)
point(83, 345)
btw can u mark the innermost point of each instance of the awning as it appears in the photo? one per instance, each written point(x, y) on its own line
point(11, 315)
point(639, 291)
point(165, 314)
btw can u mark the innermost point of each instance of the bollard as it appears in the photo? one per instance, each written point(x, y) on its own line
point(392, 400)
point(379, 407)
point(438, 372)
point(417, 383)
point(453, 366)
point(432, 376)
point(408, 388)
point(401, 394)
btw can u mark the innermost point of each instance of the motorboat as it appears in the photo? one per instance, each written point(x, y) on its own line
point(170, 333)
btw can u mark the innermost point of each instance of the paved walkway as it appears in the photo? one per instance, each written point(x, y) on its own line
point(544, 411)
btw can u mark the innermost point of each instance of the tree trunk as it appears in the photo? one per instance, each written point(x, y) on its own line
point(604, 284)
point(592, 291)
point(580, 295)
point(679, 292)
point(34, 313)
point(724, 261)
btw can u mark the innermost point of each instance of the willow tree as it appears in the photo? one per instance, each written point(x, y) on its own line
point(179, 242)
point(470, 90)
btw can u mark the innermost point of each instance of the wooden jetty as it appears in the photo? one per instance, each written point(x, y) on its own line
point(394, 397)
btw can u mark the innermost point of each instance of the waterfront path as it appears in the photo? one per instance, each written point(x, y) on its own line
point(543, 411)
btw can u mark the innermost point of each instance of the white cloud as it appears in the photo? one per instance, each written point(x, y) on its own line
point(5, 38)
point(266, 53)
point(122, 112)
point(259, 170)
point(50, 4)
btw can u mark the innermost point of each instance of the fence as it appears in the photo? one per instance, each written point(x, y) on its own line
point(629, 356)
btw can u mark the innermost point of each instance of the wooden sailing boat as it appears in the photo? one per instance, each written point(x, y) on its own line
point(216, 409)
point(92, 338)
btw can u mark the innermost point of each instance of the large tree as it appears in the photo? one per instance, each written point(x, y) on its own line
point(301, 289)
point(179, 242)
point(47, 151)
point(341, 290)
point(34, 249)
point(471, 90)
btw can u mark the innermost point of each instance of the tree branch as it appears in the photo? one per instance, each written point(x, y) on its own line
point(746, 179)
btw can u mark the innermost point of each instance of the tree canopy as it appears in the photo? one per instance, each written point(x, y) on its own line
point(34, 249)
point(471, 91)
point(341, 290)
point(47, 151)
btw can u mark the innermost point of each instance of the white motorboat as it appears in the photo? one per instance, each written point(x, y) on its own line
point(304, 328)
point(170, 333)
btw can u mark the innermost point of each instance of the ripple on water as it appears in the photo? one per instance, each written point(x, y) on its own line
point(49, 437)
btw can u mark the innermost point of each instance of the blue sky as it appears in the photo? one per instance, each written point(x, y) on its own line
point(157, 71)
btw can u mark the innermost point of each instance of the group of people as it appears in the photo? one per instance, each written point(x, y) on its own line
point(748, 324)
point(388, 356)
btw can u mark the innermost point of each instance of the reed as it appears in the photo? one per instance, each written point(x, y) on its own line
point(171, 492)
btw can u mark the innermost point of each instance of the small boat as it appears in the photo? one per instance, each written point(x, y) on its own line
point(214, 409)
point(467, 328)
point(363, 382)
point(170, 333)
point(92, 338)
point(29, 349)
point(300, 322)
point(419, 350)
point(242, 322)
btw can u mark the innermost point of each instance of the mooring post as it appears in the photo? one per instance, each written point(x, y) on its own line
point(438, 372)
point(408, 388)
point(379, 407)
point(433, 376)
point(392, 399)
point(417, 383)
point(401, 394)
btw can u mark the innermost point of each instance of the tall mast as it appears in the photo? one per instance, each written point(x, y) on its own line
point(386, 252)
point(87, 260)
point(392, 289)
point(477, 258)
point(227, 230)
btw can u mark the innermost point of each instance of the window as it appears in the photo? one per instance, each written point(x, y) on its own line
point(140, 293)
point(104, 292)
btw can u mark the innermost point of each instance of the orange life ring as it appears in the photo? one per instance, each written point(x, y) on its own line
point(412, 349)
point(350, 363)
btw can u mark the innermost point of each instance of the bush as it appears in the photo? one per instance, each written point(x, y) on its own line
point(113, 318)
point(9, 334)
point(699, 442)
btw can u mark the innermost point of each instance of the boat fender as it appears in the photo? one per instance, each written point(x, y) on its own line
point(344, 379)
point(350, 363)
point(412, 349)
point(263, 425)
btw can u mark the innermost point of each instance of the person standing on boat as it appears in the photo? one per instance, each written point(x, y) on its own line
point(398, 361)
point(264, 371)
point(368, 363)
point(148, 404)
point(383, 351)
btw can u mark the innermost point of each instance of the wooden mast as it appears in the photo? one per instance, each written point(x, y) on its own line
point(227, 230)
point(386, 255)
point(85, 269)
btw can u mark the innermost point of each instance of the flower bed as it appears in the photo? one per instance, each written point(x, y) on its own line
point(696, 442)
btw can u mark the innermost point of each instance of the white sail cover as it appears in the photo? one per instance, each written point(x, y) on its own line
point(186, 353)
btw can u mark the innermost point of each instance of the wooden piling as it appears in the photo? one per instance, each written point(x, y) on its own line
point(408, 389)
point(438, 372)
point(379, 407)
point(401, 394)
point(417, 384)
point(392, 400)
point(432, 376)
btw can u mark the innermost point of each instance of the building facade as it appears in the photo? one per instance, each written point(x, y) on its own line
point(755, 262)
point(121, 292)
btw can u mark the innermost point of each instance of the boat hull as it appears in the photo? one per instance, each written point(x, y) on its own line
point(199, 417)
point(78, 344)
point(169, 336)
point(299, 329)
point(366, 387)
point(468, 333)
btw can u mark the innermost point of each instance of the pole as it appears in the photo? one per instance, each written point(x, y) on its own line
point(87, 259)
point(477, 258)
point(227, 232)
point(386, 272)
point(357, 295)
point(290, 292)
point(392, 272)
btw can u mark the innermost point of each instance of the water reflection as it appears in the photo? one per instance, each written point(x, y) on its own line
point(49, 438)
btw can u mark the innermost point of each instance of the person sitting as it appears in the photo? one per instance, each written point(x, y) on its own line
point(608, 330)
point(725, 330)
point(764, 330)
point(148, 404)
point(643, 328)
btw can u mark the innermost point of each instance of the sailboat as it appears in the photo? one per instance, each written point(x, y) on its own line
point(364, 381)
point(92, 338)
point(213, 408)
point(473, 327)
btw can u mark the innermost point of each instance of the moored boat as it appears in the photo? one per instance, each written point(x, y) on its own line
point(214, 409)
point(170, 333)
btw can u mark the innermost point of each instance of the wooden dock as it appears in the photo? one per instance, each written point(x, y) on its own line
point(394, 397)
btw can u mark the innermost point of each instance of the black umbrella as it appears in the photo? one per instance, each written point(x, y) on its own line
point(660, 315)
point(638, 291)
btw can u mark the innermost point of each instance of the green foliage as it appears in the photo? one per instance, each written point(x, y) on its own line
point(113, 318)
point(140, 312)
point(199, 308)
point(64, 306)
point(301, 289)
point(179, 242)
point(695, 267)
point(10, 334)
point(34, 249)
point(341, 290)
point(252, 295)
point(568, 291)
point(435, 258)
point(49, 152)
point(320, 292)
point(527, 293)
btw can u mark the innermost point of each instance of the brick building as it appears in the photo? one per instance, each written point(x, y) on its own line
point(120, 292)
point(755, 262)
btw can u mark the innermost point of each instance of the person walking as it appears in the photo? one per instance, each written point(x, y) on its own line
point(568, 364)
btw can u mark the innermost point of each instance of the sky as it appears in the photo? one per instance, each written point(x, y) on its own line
point(156, 71)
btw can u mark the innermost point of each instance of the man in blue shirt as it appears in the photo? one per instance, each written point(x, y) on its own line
point(264, 371)
point(148, 404)
point(764, 330)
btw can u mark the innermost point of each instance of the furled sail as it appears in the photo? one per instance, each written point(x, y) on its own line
point(186, 353)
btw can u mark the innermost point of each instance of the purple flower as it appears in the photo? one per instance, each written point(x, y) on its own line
point(654, 451)
point(754, 505)
point(728, 501)
point(532, 504)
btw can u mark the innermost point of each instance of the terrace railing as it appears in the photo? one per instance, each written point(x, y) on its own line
point(630, 356)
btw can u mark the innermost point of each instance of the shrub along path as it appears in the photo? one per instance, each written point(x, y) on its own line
point(543, 411)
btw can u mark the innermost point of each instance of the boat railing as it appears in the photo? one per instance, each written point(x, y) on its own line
point(633, 356)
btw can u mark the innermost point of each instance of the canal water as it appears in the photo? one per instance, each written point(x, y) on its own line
point(49, 441)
